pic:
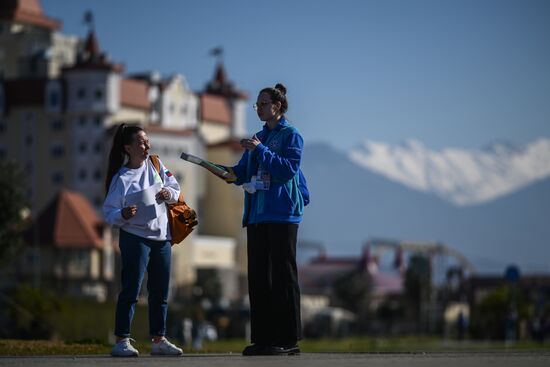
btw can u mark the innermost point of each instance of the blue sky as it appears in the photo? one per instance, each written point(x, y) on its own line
point(447, 73)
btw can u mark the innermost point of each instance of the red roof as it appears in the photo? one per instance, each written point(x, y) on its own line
point(134, 93)
point(215, 109)
point(321, 273)
point(27, 11)
point(69, 221)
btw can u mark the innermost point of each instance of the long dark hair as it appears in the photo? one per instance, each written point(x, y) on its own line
point(277, 94)
point(124, 135)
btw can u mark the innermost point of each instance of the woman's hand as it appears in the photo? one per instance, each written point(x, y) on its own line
point(129, 211)
point(163, 195)
point(250, 144)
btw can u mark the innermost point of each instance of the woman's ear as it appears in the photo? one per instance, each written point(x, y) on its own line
point(278, 105)
point(127, 149)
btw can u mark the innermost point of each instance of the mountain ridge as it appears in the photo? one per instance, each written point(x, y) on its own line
point(351, 204)
point(463, 177)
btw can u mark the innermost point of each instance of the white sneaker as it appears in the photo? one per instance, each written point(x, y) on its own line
point(123, 348)
point(165, 348)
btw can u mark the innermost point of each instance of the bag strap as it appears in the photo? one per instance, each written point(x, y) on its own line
point(155, 160)
point(156, 163)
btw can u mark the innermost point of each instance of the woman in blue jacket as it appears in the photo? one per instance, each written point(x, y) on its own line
point(275, 195)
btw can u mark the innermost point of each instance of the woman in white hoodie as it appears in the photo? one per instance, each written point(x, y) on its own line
point(144, 240)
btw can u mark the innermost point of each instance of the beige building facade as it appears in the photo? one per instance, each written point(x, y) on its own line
point(60, 100)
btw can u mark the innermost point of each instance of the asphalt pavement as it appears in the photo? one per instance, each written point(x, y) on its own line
point(462, 359)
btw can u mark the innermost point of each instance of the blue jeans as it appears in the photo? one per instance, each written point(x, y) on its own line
point(138, 254)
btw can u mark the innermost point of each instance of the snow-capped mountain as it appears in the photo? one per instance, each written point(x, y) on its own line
point(352, 202)
point(462, 177)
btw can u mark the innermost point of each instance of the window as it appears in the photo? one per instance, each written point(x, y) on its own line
point(3, 127)
point(83, 147)
point(97, 175)
point(82, 121)
point(98, 94)
point(98, 201)
point(57, 125)
point(2, 153)
point(53, 99)
point(97, 147)
point(57, 177)
point(2, 95)
point(81, 93)
point(28, 140)
point(57, 150)
point(98, 121)
point(82, 174)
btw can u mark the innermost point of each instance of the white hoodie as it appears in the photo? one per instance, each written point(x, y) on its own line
point(128, 181)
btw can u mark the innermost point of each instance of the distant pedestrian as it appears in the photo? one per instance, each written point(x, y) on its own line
point(461, 325)
point(144, 245)
point(275, 196)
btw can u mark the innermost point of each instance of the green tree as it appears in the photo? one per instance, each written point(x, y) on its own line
point(353, 292)
point(13, 204)
point(488, 318)
point(31, 313)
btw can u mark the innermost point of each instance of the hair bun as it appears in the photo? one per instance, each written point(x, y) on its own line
point(281, 88)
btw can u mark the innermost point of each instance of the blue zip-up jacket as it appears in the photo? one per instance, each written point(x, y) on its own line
point(280, 153)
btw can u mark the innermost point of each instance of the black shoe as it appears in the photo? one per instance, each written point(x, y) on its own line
point(257, 350)
point(286, 350)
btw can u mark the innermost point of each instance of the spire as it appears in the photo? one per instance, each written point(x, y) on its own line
point(220, 75)
point(91, 56)
point(91, 46)
point(222, 86)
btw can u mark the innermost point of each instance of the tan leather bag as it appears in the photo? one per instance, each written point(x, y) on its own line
point(181, 217)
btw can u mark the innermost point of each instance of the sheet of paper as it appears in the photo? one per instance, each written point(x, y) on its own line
point(148, 208)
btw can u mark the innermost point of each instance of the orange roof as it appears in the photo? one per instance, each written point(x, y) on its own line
point(134, 93)
point(27, 11)
point(215, 109)
point(69, 221)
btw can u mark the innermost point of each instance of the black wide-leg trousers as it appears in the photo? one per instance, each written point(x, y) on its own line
point(273, 284)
